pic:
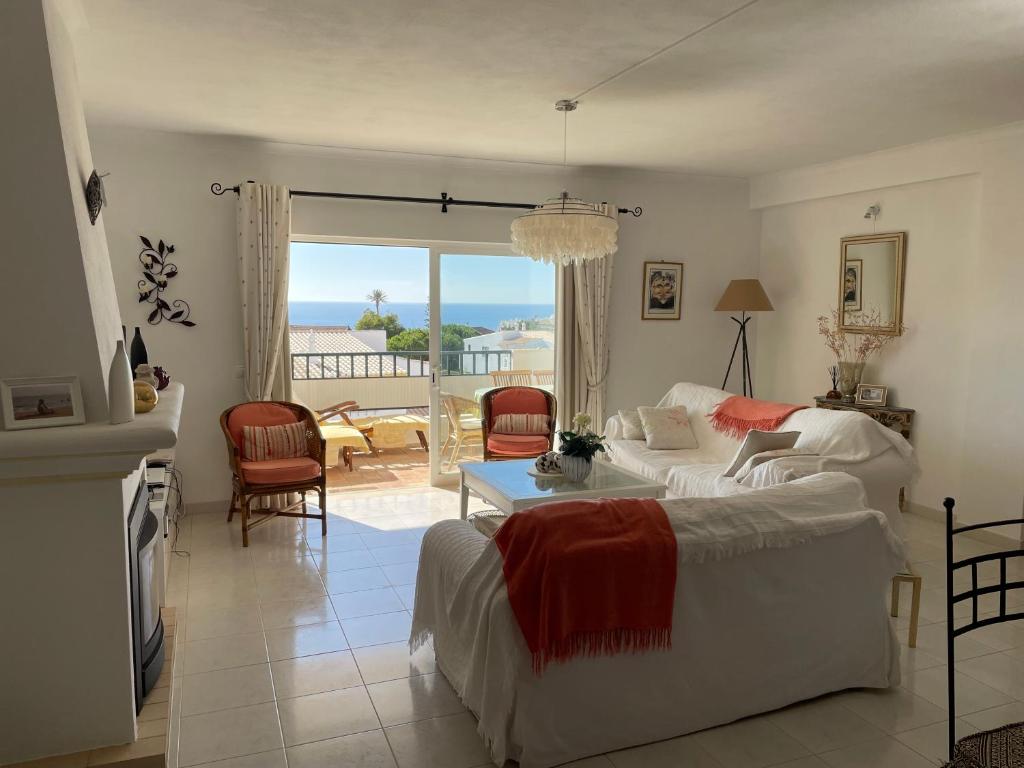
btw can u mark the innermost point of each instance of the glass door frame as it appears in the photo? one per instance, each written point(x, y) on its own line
point(438, 477)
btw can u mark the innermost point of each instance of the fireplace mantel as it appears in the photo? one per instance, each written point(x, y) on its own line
point(91, 449)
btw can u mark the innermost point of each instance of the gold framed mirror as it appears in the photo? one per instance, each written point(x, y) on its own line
point(871, 269)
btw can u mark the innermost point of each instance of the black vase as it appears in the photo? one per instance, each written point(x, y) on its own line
point(138, 354)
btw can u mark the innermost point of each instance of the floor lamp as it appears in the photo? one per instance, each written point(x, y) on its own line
point(743, 296)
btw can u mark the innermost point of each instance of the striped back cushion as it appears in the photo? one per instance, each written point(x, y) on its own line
point(522, 424)
point(284, 441)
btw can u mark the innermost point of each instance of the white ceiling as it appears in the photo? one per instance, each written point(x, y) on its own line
point(778, 84)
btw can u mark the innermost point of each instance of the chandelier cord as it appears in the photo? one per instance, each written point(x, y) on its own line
point(666, 49)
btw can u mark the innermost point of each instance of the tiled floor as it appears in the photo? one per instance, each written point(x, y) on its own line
point(295, 655)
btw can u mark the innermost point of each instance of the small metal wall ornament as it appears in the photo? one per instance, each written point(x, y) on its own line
point(157, 271)
point(95, 196)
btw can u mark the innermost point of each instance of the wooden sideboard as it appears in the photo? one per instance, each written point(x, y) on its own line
point(897, 419)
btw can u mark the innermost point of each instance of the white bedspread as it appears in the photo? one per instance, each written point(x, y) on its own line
point(754, 628)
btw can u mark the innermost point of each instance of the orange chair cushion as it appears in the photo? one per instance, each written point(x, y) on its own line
point(518, 400)
point(280, 471)
point(517, 445)
point(257, 415)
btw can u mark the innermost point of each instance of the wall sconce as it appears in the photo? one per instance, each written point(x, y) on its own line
point(873, 211)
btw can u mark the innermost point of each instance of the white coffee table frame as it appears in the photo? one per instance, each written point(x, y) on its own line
point(607, 481)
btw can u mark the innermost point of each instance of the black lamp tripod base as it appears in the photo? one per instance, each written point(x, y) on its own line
point(741, 337)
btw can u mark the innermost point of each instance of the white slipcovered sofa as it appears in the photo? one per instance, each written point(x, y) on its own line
point(845, 441)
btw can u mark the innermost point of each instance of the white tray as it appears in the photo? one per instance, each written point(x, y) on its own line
point(537, 473)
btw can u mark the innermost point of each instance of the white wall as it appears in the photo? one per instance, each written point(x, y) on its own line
point(159, 187)
point(961, 362)
point(57, 306)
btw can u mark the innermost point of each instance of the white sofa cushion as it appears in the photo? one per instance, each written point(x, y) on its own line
point(667, 428)
point(632, 427)
point(757, 441)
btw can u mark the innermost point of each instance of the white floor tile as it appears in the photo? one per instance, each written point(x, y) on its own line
point(225, 689)
point(224, 652)
point(892, 709)
point(674, 753)
point(451, 742)
point(375, 630)
point(407, 594)
point(307, 640)
point(205, 623)
point(405, 553)
point(882, 753)
point(932, 741)
point(403, 573)
point(751, 743)
point(414, 698)
point(274, 759)
point(824, 724)
point(971, 695)
point(350, 560)
point(987, 719)
point(228, 733)
point(315, 674)
point(369, 602)
point(295, 613)
point(359, 750)
point(340, 582)
point(998, 670)
point(392, 661)
point(326, 715)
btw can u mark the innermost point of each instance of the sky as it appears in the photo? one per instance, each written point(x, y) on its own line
point(336, 272)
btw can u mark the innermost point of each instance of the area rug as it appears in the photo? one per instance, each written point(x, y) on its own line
point(999, 748)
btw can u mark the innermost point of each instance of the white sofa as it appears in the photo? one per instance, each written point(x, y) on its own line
point(778, 599)
point(845, 441)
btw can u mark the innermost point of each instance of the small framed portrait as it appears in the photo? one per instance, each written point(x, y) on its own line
point(663, 290)
point(853, 280)
point(871, 394)
point(54, 401)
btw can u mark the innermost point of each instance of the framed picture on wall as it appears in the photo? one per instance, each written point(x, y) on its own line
point(662, 290)
point(55, 401)
point(853, 281)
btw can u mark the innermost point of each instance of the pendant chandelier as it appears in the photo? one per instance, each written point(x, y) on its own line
point(566, 230)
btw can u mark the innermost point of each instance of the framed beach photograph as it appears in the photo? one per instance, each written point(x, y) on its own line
point(662, 290)
point(53, 401)
point(853, 282)
point(871, 394)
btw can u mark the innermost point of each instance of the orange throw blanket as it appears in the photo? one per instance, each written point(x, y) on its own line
point(738, 415)
point(590, 577)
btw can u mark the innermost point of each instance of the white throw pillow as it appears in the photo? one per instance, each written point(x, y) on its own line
point(667, 428)
point(760, 458)
point(632, 427)
point(758, 441)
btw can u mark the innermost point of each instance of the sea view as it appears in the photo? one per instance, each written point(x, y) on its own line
point(414, 315)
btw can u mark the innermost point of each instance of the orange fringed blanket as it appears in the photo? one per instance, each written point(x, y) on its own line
point(590, 577)
point(738, 415)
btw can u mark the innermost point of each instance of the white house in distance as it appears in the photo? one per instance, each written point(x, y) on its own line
point(510, 340)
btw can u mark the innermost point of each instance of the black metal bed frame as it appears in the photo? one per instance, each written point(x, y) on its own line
point(972, 594)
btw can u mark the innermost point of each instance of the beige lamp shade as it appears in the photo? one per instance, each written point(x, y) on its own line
point(744, 296)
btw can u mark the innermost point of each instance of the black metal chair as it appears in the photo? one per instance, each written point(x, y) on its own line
point(1002, 747)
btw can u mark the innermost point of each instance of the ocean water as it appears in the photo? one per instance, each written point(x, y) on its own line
point(414, 315)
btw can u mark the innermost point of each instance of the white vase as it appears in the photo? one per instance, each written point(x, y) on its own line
point(120, 394)
point(575, 468)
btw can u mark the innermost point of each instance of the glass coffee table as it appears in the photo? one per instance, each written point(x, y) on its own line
point(508, 486)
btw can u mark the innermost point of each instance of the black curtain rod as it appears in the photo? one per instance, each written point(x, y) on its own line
point(444, 200)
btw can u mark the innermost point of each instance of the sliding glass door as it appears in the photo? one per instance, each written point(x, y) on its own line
point(399, 340)
point(492, 324)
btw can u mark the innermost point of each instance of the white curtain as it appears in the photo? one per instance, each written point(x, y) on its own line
point(583, 365)
point(264, 229)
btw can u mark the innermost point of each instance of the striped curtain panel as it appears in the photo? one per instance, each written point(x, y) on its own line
point(264, 231)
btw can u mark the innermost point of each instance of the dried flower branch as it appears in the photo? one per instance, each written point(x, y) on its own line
point(844, 346)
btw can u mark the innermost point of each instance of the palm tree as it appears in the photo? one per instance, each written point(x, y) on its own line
point(378, 297)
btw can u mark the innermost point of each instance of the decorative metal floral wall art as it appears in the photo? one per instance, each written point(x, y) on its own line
point(157, 271)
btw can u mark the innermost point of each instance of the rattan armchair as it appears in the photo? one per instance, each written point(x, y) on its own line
point(254, 479)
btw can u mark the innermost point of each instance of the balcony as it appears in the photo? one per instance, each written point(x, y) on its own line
point(398, 383)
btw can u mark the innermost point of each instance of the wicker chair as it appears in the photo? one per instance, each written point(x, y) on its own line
point(252, 479)
point(516, 400)
point(463, 425)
